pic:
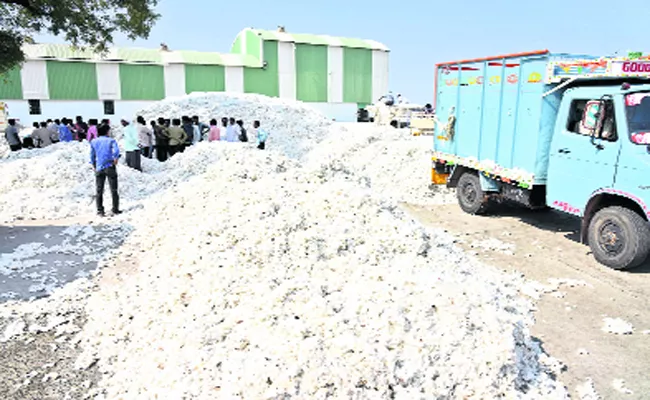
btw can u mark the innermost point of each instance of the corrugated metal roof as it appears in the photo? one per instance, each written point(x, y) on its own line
point(208, 58)
point(57, 51)
point(139, 55)
point(320, 40)
point(135, 55)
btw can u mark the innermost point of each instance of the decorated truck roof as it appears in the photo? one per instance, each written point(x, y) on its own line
point(558, 67)
point(632, 66)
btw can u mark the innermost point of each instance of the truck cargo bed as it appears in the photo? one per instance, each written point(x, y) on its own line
point(494, 116)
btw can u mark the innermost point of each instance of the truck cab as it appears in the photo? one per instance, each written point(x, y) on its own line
point(598, 166)
point(567, 132)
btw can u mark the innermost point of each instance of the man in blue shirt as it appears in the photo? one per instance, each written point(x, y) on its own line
point(104, 154)
point(65, 135)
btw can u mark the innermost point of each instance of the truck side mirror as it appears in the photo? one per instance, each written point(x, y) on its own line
point(593, 116)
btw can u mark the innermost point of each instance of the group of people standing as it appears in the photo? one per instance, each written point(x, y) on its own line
point(167, 137)
point(49, 132)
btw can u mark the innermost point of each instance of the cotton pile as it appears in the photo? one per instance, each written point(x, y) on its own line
point(4, 148)
point(289, 273)
point(294, 127)
point(395, 164)
point(58, 181)
point(278, 284)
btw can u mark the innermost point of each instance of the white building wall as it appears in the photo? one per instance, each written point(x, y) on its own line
point(379, 74)
point(108, 81)
point(175, 80)
point(287, 70)
point(54, 109)
point(235, 79)
point(34, 80)
point(335, 74)
point(340, 112)
point(19, 110)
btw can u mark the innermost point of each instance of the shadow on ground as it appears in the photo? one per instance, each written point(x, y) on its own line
point(34, 260)
point(553, 221)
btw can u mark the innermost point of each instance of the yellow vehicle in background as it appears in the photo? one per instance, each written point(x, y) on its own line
point(422, 123)
point(397, 115)
point(3, 116)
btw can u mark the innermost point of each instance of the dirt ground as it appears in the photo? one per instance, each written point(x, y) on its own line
point(546, 245)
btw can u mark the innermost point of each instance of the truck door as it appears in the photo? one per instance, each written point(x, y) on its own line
point(580, 164)
point(632, 179)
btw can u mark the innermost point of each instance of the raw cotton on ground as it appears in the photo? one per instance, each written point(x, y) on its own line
point(278, 284)
point(257, 276)
point(395, 164)
point(58, 181)
point(294, 127)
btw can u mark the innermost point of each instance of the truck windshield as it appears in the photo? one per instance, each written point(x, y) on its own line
point(637, 107)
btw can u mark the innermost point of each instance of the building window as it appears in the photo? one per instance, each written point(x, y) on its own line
point(34, 107)
point(109, 107)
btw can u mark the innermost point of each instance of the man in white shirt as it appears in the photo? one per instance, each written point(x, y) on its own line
point(145, 137)
point(231, 132)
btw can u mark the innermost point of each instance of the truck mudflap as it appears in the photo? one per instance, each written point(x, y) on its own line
point(438, 178)
point(439, 173)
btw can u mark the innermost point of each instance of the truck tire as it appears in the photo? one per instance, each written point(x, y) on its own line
point(471, 198)
point(619, 238)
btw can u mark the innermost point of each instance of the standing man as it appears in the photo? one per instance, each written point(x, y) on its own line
point(65, 134)
point(53, 128)
point(224, 128)
point(11, 134)
point(162, 139)
point(104, 154)
point(131, 145)
point(145, 137)
point(231, 131)
point(81, 128)
point(203, 128)
point(92, 130)
point(261, 135)
point(177, 137)
point(243, 137)
point(189, 132)
point(41, 136)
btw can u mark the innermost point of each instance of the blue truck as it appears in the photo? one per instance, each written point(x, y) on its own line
point(569, 132)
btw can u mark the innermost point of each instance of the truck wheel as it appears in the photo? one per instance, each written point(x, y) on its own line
point(470, 195)
point(619, 238)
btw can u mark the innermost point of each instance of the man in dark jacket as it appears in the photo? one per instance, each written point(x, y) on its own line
point(189, 131)
point(162, 139)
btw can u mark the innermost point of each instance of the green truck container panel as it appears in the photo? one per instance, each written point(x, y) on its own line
point(311, 73)
point(357, 75)
point(72, 80)
point(11, 88)
point(142, 82)
point(205, 78)
point(264, 81)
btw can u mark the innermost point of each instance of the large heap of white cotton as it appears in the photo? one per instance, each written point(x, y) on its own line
point(262, 276)
point(395, 164)
point(280, 284)
point(294, 127)
point(58, 181)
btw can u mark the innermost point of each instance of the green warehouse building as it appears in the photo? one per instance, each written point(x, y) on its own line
point(333, 74)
